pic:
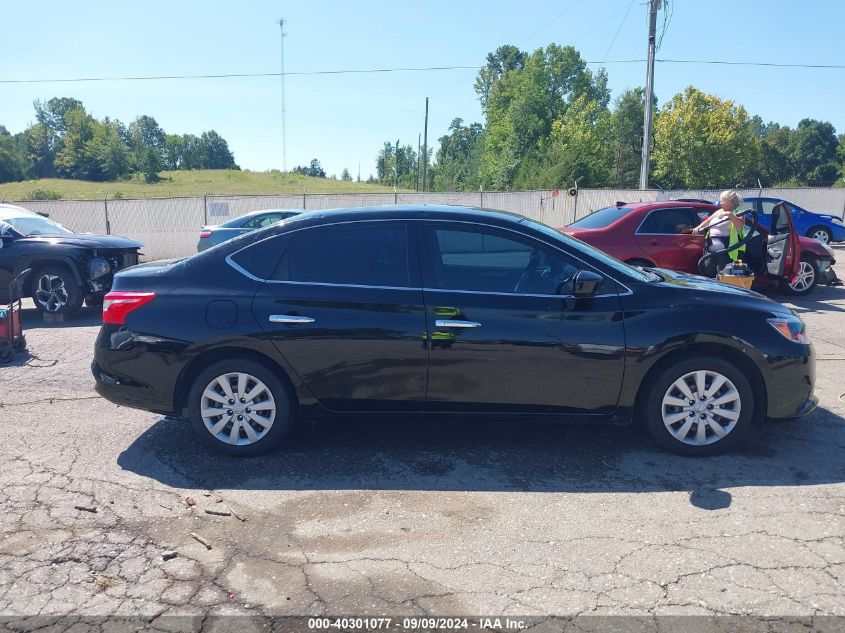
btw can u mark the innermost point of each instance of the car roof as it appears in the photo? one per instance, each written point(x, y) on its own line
point(408, 212)
point(12, 211)
point(274, 210)
point(667, 204)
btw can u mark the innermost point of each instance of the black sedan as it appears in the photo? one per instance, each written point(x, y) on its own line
point(444, 311)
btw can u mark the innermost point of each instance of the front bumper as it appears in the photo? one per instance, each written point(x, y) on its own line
point(790, 381)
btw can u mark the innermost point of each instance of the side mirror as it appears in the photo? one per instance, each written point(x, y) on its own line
point(7, 239)
point(586, 283)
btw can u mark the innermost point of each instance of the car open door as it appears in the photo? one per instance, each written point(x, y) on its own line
point(783, 256)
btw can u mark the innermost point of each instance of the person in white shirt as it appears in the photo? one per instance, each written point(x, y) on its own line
point(724, 228)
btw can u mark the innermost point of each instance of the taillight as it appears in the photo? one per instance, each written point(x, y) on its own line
point(116, 305)
point(205, 234)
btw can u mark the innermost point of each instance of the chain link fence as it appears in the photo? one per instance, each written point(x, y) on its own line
point(169, 227)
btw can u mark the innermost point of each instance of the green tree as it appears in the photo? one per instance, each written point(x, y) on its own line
point(173, 154)
point(576, 150)
point(72, 160)
point(215, 152)
point(523, 103)
point(345, 175)
point(459, 157)
point(627, 137)
point(702, 141)
point(812, 150)
point(107, 151)
point(504, 58)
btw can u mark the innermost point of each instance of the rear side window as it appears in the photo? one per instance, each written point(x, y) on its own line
point(358, 254)
point(261, 258)
point(672, 221)
point(260, 221)
point(602, 218)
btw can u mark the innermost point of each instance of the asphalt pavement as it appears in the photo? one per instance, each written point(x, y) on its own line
point(110, 511)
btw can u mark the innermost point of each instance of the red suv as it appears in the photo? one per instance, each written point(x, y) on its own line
point(659, 235)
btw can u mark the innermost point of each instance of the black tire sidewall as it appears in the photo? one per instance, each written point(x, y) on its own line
point(284, 409)
point(653, 420)
point(74, 292)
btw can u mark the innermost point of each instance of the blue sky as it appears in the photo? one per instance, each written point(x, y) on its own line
point(344, 119)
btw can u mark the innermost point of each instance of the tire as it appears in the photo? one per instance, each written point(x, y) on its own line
point(807, 280)
point(216, 431)
point(821, 233)
point(55, 291)
point(663, 390)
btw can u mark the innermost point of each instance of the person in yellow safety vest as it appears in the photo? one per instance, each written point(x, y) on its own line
point(724, 229)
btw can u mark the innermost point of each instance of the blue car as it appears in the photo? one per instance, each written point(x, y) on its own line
point(822, 227)
point(214, 235)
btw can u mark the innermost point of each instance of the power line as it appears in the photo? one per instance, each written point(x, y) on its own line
point(618, 31)
point(361, 71)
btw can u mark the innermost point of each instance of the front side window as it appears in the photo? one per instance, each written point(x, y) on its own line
point(373, 254)
point(485, 260)
point(674, 221)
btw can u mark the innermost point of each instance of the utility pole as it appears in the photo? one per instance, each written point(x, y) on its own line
point(284, 133)
point(396, 166)
point(425, 145)
point(417, 179)
point(653, 6)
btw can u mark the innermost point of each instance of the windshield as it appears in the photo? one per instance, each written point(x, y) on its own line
point(36, 225)
point(602, 218)
point(589, 251)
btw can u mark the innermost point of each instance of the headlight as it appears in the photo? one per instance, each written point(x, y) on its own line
point(98, 267)
point(837, 220)
point(791, 327)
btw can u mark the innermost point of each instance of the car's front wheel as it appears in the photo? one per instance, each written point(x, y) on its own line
point(806, 280)
point(699, 406)
point(55, 291)
point(240, 407)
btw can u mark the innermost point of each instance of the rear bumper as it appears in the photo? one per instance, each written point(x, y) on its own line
point(129, 393)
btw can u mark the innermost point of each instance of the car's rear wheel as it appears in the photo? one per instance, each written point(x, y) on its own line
point(821, 233)
point(806, 280)
point(699, 406)
point(240, 407)
point(55, 291)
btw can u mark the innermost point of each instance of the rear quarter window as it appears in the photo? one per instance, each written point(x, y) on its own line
point(260, 259)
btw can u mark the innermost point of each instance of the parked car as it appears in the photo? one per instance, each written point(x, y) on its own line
point(825, 228)
point(658, 234)
point(67, 267)
point(443, 311)
point(213, 235)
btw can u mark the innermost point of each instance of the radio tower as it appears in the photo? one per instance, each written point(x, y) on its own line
point(284, 134)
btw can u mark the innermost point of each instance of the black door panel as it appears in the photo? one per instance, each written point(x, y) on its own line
point(504, 338)
point(345, 313)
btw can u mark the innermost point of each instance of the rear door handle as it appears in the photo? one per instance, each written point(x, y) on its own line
point(456, 323)
point(290, 319)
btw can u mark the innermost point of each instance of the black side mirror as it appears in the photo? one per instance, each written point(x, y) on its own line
point(586, 283)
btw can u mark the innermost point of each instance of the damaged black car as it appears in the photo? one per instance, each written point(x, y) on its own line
point(67, 268)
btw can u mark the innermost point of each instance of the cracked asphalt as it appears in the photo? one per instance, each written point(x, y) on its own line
point(397, 517)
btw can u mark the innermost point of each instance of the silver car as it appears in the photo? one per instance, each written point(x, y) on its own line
point(213, 235)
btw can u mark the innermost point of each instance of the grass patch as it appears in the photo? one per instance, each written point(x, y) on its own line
point(184, 183)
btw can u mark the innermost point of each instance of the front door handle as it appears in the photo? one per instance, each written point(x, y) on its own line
point(456, 323)
point(291, 319)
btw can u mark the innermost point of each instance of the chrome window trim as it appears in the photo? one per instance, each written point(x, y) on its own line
point(246, 273)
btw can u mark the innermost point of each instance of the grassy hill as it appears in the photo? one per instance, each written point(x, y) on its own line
point(183, 183)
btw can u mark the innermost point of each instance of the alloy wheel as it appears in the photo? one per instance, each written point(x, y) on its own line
point(821, 235)
point(805, 277)
point(237, 409)
point(701, 407)
point(51, 293)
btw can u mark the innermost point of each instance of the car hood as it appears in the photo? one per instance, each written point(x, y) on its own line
point(696, 283)
point(86, 240)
